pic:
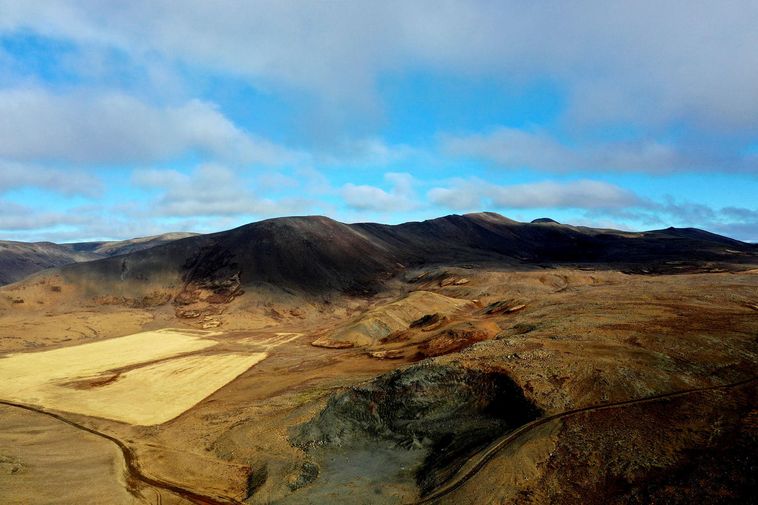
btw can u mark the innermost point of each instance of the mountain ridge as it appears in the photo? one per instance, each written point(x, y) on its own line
point(317, 254)
point(18, 260)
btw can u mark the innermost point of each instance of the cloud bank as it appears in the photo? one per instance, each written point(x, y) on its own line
point(516, 148)
point(584, 194)
point(647, 61)
point(217, 113)
point(112, 128)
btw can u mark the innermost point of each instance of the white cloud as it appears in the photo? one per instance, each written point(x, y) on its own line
point(15, 175)
point(211, 190)
point(514, 148)
point(313, 180)
point(81, 223)
point(366, 152)
point(400, 197)
point(645, 60)
point(464, 196)
point(14, 217)
point(659, 67)
point(100, 128)
point(276, 181)
point(741, 214)
point(578, 194)
point(475, 194)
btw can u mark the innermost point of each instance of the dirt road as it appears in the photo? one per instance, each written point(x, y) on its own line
point(134, 471)
point(479, 460)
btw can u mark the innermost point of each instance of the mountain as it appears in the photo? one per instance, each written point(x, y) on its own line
point(315, 254)
point(114, 248)
point(21, 259)
point(424, 362)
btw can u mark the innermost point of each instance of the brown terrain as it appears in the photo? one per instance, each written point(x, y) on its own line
point(463, 360)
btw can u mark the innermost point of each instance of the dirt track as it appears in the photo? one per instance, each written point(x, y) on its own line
point(466, 473)
point(605, 338)
point(479, 460)
point(132, 464)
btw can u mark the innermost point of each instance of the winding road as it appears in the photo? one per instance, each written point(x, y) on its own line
point(479, 460)
point(464, 474)
point(132, 464)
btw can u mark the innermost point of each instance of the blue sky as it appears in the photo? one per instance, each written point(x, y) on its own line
point(123, 120)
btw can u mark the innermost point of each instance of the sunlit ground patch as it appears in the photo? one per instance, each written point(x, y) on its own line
point(146, 378)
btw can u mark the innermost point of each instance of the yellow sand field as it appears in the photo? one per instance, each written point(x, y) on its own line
point(163, 378)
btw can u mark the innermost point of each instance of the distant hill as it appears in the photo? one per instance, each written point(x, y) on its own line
point(316, 254)
point(117, 247)
point(21, 259)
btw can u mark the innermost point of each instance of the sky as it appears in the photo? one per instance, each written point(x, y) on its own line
point(127, 119)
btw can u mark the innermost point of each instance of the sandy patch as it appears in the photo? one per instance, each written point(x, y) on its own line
point(271, 342)
point(44, 461)
point(160, 381)
point(380, 321)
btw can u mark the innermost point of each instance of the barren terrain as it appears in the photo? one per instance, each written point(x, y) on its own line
point(455, 382)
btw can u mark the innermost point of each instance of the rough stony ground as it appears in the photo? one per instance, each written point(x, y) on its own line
point(44, 461)
point(443, 412)
point(313, 423)
point(694, 449)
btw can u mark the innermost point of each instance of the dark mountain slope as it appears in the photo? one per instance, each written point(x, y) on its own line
point(20, 259)
point(314, 254)
point(488, 236)
point(318, 255)
point(310, 253)
point(696, 234)
point(114, 248)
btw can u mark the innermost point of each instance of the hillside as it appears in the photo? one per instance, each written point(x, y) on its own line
point(116, 247)
point(319, 255)
point(21, 259)
point(302, 360)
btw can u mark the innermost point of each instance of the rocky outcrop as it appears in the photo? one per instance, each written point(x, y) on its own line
point(446, 411)
point(383, 320)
